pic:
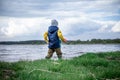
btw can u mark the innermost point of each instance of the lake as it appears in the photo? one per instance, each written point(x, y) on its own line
point(13, 53)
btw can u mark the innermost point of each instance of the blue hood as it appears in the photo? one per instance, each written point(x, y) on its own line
point(54, 41)
point(52, 29)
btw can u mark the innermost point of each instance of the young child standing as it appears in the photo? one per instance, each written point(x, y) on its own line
point(53, 37)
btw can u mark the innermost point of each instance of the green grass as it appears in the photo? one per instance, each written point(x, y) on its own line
point(100, 66)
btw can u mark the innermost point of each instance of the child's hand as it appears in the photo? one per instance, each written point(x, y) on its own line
point(65, 40)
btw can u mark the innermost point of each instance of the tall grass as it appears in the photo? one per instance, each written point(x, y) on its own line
point(100, 66)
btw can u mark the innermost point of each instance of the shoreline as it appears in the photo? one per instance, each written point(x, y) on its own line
point(54, 57)
point(89, 66)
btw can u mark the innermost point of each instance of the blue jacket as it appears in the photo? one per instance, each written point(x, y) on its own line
point(54, 41)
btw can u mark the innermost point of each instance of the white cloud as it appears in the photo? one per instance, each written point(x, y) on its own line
point(23, 26)
point(105, 26)
point(116, 27)
point(71, 27)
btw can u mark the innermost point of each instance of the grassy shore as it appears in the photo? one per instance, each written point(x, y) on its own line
point(101, 66)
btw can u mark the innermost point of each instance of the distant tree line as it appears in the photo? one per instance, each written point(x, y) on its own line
point(23, 42)
point(92, 41)
point(95, 41)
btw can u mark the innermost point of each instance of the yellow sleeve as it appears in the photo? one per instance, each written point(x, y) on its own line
point(60, 35)
point(46, 37)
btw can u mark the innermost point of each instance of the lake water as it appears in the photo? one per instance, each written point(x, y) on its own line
point(13, 53)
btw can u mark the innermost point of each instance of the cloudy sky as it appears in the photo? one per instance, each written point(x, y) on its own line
point(78, 19)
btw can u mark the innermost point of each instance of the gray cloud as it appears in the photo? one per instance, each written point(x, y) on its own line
point(81, 19)
point(35, 8)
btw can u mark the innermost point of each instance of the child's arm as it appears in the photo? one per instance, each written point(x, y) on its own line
point(61, 36)
point(45, 37)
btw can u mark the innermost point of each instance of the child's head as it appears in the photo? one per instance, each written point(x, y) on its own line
point(54, 22)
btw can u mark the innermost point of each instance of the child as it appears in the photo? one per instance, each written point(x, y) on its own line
point(52, 37)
